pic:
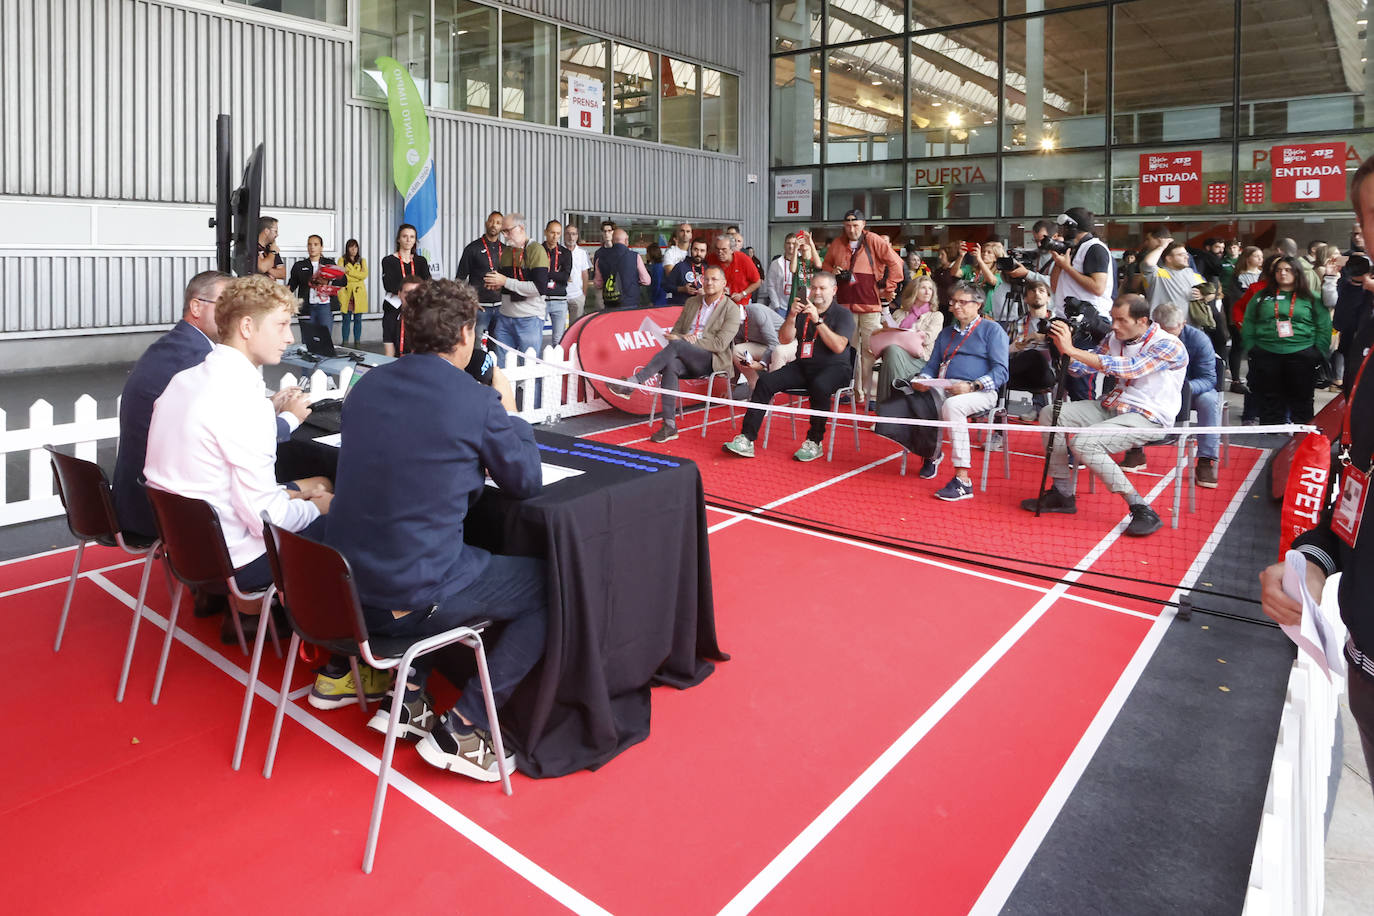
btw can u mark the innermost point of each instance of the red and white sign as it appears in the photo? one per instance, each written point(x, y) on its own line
point(585, 100)
point(617, 342)
point(1168, 179)
point(1218, 192)
point(1308, 171)
point(1253, 193)
point(792, 195)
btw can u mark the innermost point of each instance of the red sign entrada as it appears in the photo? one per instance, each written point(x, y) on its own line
point(1308, 171)
point(1171, 179)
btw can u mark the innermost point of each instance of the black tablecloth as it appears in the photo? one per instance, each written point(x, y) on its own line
point(629, 584)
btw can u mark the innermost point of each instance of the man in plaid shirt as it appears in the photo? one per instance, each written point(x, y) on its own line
point(1149, 366)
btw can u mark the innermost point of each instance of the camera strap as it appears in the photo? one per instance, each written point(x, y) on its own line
point(1117, 392)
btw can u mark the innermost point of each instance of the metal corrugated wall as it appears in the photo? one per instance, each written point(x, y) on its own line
point(115, 99)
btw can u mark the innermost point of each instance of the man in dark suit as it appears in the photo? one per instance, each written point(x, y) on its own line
point(419, 436)
point(186, 345)
point(318, 302)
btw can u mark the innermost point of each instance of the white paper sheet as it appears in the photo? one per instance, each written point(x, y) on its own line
point(1314, 634)
point(938, 382)
point(552, 473)
point(333, 439)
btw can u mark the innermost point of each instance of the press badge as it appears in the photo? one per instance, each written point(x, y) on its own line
point(806, 348)
point(1285, 328)
point(1345, 521)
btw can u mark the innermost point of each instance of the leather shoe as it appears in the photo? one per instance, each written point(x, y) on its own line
point(208, 605)
point(250, 622)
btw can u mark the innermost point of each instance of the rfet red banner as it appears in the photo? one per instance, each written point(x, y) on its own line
point(618, 342)
point(1305, 497)
point(1171, 178)
point(1307, 171)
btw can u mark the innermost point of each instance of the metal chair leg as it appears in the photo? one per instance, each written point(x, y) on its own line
point(167, 641)
point(358, 683)
point(281, 705)
point(133, 626)
point(492, 721)
point(238, 626)
point(71, 589)
point(388, 750)
point(252, 680)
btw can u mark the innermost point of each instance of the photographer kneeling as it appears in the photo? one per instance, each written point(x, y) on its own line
point(1149, 366)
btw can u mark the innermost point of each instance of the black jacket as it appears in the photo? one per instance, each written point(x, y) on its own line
point(560, 269)
point(392, 275)
point(298, 281)
point(479, 258)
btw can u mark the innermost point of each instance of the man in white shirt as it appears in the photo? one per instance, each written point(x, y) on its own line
point(681, 247)
point(577, 280)
point(213, 434)
point(778, 279)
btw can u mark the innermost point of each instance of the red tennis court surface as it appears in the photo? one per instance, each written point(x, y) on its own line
point(882, 738)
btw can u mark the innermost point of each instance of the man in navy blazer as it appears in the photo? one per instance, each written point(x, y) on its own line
point(186, 345)
point(420, 436)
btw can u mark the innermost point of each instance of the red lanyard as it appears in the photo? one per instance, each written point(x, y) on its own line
point(959, 346)
point(1292, 300)
point(491, 262)
point(697, 321)
point(517, 259)
point(1349, 404)
point(553, 258)
point(411, 263)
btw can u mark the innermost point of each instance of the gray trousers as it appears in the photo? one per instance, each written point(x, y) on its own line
point(1095, 451)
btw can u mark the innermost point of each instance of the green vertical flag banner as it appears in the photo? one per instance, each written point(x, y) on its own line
point(412, 157)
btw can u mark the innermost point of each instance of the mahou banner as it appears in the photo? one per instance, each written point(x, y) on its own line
point(1305, 498)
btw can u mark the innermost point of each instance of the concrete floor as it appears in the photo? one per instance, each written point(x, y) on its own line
point(1350, 835)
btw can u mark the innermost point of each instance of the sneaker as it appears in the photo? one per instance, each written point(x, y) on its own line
point(809, 451)
point(740, 445)
point(930, 465)
point(665, 433)
point(955, 490)
point(903, 385)
point(417, 717)
point(1239, 387)
point(1250, 422)
point(996, 442)
point(335, 692)
point(1133, 460)
point(1051, 501)
point(623, 391)
point(1144, 521)
point(741, 391)
point(471, 754)
point(1205, 474)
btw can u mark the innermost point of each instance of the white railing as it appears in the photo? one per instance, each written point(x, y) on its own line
point(562, 394)
point(84, 432)
point(1288, 872)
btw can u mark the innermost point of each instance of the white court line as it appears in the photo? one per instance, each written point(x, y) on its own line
point(765, 881)
point(36, 556)
point(85, 573)
point(925, 561)
point(800, 493)
point(472, 831)
point(1008, 873)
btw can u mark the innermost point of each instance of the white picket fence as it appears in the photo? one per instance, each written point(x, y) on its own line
point(561, 395)
point(1288, 872)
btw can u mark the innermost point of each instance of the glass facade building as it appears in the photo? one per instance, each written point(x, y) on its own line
point(990, 114)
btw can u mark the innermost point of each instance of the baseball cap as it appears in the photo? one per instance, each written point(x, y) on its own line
point(856, 213)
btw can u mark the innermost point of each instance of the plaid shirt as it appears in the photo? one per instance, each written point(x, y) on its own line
point(1162, 351)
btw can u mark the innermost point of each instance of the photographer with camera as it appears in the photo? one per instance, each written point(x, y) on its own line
point(866, 272)
point(1031, 362)
point(1083, 266)
point(1034, 263)
point(1149, 366)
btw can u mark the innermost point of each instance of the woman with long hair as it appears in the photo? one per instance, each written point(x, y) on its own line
point(653, 261)
point(1247, 273)
point(353, 297)
point(904, 342)
point(1287, 331)
point(397, 267)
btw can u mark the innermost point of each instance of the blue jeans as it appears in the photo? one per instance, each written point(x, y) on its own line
point(521, 334)
point(510, 591)
point(1208, 407)
point(323, 316)
point(355, 319)
point(558, 317)
point(487, 320)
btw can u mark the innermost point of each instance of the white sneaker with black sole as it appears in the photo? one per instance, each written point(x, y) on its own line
point(417, 718)
point(471, 754)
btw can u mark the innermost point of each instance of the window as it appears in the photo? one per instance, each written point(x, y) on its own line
point(527, 69)
point(926, 15)
point(855, 20)
point(634, 93)
point(863, 109)
point(583, 75)
point(1319, 85)
point(796, 24)
point(393, 28)
point(1056, 85)
point(334, 12)
point(794, 119)
point(1043, 184)
point(1131, 195)
point(680, 112)
point(952, 106)
point(956, 188)
point(465, 56)
point(720, 111)
point(875, 189)
point(1173, 75)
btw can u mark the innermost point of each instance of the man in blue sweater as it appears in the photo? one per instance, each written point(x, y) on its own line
point(419, 437)
point(968, 364)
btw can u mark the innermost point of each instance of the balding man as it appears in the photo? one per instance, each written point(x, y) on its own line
point(681, 247)
point(620, 273)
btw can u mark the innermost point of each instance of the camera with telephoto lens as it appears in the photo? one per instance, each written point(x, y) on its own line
point(1025, 257)
point(1358, 264)
point(1087, 326)
point(844, 276)
point(1050, 243)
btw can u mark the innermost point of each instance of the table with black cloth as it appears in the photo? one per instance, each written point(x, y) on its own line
point(629, 586)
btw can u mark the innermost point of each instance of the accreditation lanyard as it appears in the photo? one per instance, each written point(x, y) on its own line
point(698, 322)
point(1284, 326)
point(944, 363)
point(491, 261)
point(517, 261)
point(405, 264)
point(807, 345)
point(1123, 383)
point(1350, 500)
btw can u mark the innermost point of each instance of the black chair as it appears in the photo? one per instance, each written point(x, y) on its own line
point(322, 606)
point(86, 498)
point(797, 394)
point(193, 543)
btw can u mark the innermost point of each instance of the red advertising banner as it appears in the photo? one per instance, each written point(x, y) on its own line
point(1218, 192)
point(1171, 178)
point(617, 342)
point(1305, 497)
point(1254, 192)
point(1307, 171)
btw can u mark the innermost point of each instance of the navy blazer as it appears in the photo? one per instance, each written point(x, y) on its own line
point(180, 348)
point(419, 437)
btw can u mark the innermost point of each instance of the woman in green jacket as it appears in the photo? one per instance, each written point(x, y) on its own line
point(1287, 332)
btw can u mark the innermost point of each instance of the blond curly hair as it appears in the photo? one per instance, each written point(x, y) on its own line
point(254, 296)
